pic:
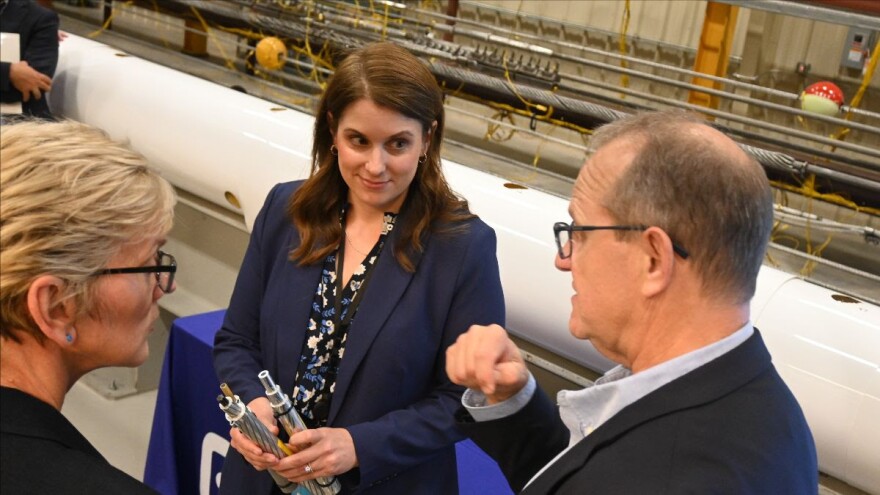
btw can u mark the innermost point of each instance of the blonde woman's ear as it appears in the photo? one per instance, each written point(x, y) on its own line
point(53, 314)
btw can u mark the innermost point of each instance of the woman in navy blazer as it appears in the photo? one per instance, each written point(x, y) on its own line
point(376, 223)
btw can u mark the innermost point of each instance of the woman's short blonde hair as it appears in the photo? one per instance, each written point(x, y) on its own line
point(71, 199)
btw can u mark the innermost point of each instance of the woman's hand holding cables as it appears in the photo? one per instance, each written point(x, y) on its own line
point(249, 450)
point(319, 452)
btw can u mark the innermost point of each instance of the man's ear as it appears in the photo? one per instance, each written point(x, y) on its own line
point(659, 256)
point(52, 312)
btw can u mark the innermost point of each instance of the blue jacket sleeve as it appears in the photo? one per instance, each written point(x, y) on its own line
point(237, 345)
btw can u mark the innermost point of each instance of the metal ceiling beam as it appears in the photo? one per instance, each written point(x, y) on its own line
point(811, 11)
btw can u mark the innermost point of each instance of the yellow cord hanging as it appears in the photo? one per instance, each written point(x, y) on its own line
point(621, 44)
point(106, 24)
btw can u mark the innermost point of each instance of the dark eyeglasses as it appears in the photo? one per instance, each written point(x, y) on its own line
point(165, 268)
point(562, 231)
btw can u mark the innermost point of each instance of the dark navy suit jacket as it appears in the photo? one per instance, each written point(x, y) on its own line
point(392, 392)
point(729, 426)
point(37, 28)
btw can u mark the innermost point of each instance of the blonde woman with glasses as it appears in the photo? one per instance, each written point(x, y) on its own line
point(82, 225)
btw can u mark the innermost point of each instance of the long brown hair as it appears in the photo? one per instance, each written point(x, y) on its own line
point(391, 77)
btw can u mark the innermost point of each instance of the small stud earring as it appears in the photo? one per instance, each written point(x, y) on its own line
point(69, 338)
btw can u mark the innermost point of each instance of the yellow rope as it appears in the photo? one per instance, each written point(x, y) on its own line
point(808, 189)
point(541, 118)
point(777, 237)
point(457, 92)
point(624, 27)
point(385, 23)
point(494, 132)
point(541, 144)
point(528, 104)
point(308, 49)
point(810, 266)
point(106, 24)
point(209, 32)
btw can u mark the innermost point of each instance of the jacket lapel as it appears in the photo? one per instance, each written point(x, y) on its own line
point(705, 384)
point(382, 296)
point(293, 315)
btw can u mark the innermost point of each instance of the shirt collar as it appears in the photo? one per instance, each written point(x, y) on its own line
point(584, 410)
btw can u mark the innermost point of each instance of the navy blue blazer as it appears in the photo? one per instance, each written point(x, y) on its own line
point(392, 392)
point(729, 426)
point(37, 28)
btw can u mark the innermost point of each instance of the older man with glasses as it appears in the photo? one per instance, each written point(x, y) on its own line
point(670, 222)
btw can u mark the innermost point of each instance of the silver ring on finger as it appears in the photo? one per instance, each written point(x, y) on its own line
point(308, 468)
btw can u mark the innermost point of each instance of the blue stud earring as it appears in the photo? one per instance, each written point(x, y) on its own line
point(69, 338)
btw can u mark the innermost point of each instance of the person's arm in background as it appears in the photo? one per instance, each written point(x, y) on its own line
point(41, 52)
point(32, 75)
point(25, 79)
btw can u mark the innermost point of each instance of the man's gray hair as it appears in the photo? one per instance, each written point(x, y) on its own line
point(716, 204)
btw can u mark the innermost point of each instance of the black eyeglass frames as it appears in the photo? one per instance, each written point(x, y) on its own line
point(562, 231)
point(165, 268)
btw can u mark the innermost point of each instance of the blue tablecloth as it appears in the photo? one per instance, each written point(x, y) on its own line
point(190, 434)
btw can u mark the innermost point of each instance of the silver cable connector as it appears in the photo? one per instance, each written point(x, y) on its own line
point(241, 417)
point(292, 422)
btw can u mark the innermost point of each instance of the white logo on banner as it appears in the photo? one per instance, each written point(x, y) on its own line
point(211, 444)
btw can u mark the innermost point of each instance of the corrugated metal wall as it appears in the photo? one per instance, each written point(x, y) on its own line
point(787, 40)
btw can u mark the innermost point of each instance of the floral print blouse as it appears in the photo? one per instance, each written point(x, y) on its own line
point(324, 344)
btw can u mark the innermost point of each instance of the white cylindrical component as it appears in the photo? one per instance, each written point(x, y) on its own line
point(205, 138)
point(826, 346)
point(210, 140)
